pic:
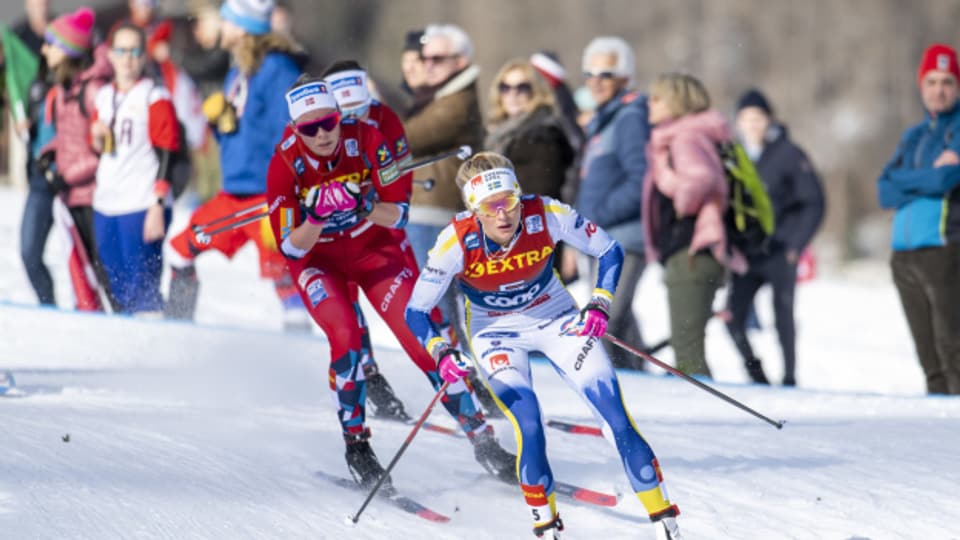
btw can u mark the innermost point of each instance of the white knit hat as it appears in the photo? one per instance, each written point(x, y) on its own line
point(251, 15)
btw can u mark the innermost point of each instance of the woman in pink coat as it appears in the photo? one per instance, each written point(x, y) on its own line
point(684, 198)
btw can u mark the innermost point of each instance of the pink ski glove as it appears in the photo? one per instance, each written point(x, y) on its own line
point(452, 368)
point(594, 317)
point(322, 201)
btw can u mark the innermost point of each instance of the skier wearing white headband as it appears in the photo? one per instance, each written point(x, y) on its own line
point(500, 252)
point(334, 194)
point(347, 82)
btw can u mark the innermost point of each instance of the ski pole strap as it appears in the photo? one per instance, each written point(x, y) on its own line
point(650, 358)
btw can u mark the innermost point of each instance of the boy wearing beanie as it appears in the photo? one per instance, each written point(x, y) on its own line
point(917, 184)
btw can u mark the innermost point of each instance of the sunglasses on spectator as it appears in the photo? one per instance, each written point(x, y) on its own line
point(492, 208)
point(310, 128)
point(602, 75)
point(437, 58)
point(522, 88)
point(135, 52)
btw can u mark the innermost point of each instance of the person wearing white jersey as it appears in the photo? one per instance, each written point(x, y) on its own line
point(500, 251)
point(134, 127)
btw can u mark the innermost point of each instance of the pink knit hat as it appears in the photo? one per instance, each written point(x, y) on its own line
point(72, 32)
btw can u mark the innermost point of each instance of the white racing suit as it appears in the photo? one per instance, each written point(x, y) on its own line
point(516, 305)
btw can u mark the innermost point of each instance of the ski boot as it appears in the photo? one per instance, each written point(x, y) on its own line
point(755, 370)
point(497, 461)
point(363, 464)
point(184, 288)
point(667, 529)
point(665, 524)
point(550, 530)
point(385, 403)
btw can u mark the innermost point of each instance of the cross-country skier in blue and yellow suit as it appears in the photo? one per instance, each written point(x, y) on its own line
point(500, 251)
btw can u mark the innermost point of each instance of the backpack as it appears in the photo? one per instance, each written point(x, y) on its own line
point(749, 220)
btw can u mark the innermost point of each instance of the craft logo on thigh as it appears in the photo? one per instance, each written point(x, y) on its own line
point(397, 281)
point(584, 351)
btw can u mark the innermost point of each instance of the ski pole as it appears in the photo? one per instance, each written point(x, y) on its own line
point(413, 432)
point(201, 226)
point(203, 236)
point(649, 358)
point(461, 153)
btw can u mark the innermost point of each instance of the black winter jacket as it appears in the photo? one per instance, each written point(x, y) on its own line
point(794, 189)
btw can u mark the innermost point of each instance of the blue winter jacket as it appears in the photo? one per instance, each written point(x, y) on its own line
point(613, 166)
point(245, 154)
point(921, 194)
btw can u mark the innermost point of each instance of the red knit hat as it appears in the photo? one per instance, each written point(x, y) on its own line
point(939, 57)
point(72, 32)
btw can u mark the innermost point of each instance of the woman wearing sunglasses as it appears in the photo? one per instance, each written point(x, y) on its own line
point(500, 252)
point(525, 127)
point(136, 132)
point(335, 193)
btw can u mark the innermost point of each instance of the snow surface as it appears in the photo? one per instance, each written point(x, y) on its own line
point(213, 430)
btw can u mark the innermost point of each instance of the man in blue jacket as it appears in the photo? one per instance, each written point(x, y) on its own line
point(919, 183)
point(611, 175)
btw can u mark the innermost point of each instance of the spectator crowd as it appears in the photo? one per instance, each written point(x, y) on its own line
point(341, 192)
point(116, 129)
point(638, 160)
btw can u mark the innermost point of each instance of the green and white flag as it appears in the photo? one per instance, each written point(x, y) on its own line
point(20, 71)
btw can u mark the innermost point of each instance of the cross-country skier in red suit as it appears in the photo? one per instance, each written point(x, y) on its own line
point(335, 192)
point(347, 82)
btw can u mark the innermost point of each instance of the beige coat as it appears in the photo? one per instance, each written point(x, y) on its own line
point(450, 120)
